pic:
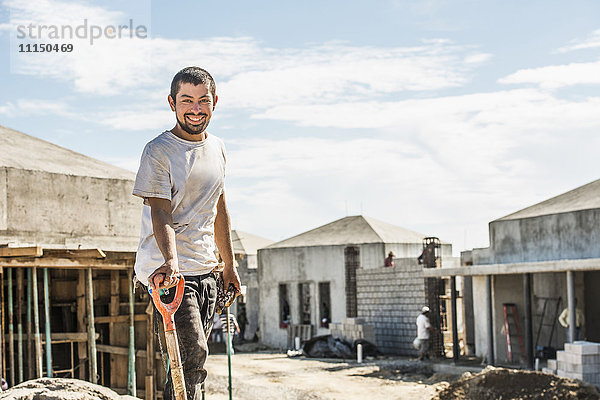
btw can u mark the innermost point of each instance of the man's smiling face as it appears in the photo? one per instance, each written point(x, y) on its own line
point(193, 107)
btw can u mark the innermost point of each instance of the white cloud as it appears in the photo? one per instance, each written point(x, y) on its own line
point(28, 107)
point(136, 118)
point(249, 74)
point(592, 41)
point(557, 76)
point(439, 166)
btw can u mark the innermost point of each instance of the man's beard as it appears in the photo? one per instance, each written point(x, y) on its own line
point(194, 129)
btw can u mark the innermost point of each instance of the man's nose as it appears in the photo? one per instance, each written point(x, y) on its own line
point(196, 107)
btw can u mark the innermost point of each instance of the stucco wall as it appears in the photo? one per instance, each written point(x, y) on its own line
point(65, 210)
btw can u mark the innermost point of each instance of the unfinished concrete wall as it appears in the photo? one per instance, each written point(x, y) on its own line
point(390, 299)
point(572, 235)
point(51, 209)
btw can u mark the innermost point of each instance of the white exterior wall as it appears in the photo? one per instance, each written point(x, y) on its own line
point(293, 266)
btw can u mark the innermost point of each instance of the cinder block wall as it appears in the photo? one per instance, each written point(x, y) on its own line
point(390, 299)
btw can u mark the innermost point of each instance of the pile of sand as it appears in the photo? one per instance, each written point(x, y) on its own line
point(60, 389)
point(508, 384)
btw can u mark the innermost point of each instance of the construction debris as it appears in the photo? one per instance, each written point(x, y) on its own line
point(328, 346)
point(508, 384)
point(60, 388)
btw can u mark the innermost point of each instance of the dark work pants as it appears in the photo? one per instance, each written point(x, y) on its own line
point(193, 322)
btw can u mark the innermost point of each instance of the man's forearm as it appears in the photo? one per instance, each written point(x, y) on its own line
point(164, 234)
point(223, 233)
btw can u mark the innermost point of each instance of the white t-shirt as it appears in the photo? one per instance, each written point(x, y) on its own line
point(192, 176)
point(422, 325)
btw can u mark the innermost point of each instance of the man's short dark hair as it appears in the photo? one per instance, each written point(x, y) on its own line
point(195, 76)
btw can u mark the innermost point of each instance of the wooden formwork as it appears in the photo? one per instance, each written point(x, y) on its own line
point(88, 293)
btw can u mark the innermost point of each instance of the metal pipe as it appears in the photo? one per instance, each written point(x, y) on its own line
point(11, 329)
point(571, 305)
point(36, 325)
point(131, 384)
point(229, 386)
point(490, 320)
point(528, 321)
point(455, 346)
point(91, 328)
point(20, 325)
point(47, 325)
point(30, 373)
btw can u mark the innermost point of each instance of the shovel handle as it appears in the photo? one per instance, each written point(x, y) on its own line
point(168, 310)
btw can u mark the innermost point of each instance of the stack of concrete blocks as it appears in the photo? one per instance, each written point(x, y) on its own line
point(580, 360)
point(353, 329)
point(391, 299)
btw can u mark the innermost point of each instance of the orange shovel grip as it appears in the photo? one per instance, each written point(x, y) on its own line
point(168, 310)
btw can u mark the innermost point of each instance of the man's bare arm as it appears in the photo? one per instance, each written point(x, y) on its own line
point(223, 240)
point(164, 233)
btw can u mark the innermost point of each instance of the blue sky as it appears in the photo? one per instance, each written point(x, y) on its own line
point(438, 116)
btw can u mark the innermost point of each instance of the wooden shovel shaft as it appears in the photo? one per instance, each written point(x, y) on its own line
point(175, 365)
point(168, 313)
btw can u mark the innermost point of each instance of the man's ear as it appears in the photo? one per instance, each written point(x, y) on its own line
point(171, 102)
point(215, 102)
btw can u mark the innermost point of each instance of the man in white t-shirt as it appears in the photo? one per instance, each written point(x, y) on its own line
point(423, 332)
point(181, 179)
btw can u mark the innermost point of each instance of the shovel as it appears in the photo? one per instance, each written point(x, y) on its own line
point(168, 313)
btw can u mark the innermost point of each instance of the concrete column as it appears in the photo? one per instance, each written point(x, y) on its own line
point(571, 304)
point(455, 346)
point(490, 320)
point(528, 321)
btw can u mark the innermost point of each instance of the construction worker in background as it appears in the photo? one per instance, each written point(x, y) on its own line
point(563, 320)
point(424, 329)
point(389, 261)
point(181, 179)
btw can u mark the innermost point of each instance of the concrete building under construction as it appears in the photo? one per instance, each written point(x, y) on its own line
point(541, 260)
point(335, 272)
point(69, 228)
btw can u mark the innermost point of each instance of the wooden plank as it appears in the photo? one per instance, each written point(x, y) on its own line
point(34, 251)
point(62, 337)
point(81, 323)
point(113, 310)
point(74, 253)
point(67, 263)
point(123, 351)
point(107, 319)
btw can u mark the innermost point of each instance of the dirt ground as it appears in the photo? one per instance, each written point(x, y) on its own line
point(275, 376)
point(509, 384)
